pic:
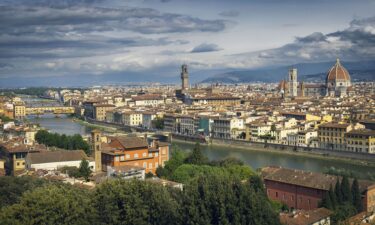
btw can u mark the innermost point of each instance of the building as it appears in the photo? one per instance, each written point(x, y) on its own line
point(100, 111)
point(19, 110)
point(361, 141)
point(227, 128)
point(320, 216)
point(54, 160)
point(337, 83)
point(148, 100)
point(338, 80)
point(184, 77)
point(332, 135)
point(293, 83)
point(97, 147)
point(215, 100)
point(304, 190)
point(132, 118)
point(126, 172)
point(188, 125)
point(15, 153)
point(134, 151)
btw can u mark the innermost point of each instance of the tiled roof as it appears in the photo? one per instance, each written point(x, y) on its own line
point(302, 217)
point(56, 156)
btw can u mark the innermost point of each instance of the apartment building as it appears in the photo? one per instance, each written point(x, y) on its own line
point(332, 135)
point(361, 141)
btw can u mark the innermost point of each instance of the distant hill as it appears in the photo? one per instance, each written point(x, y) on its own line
point(359, 71)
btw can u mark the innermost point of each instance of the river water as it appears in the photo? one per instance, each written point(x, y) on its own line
point(256, 159)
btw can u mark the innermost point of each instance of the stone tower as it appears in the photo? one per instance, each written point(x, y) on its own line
point(184, 77)
point(97, 148)
point(293, 84)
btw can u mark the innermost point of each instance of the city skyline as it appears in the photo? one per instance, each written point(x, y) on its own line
point(64, 39)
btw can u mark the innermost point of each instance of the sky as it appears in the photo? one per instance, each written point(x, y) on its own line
point(84, 38)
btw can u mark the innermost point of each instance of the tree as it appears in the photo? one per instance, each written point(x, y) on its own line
point(84, 169)
point(333, 197)
point(53, 204)
point(345, 190)
point(326, 201)
point(177, 159)
point(149, 175)
point(135, 202)
point(196, 156)
point(158, 123)
point(356, 194)
point(338, 192)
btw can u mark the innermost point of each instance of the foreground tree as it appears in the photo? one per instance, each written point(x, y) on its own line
point(356, 194)
point(345, 190)
point(50, 205)
point(134, 202)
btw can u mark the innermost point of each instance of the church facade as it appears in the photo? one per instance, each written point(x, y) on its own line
point(337, 84)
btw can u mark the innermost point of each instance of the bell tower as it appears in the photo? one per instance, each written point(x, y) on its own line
point(293, 83)
point(97, 148)
point(184, 77)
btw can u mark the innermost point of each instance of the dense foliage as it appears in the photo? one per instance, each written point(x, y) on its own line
point(11, 188)
point(74, 142)
point(206, 200)
point(184, 167)
point(219, 192)
point(349, 173)
point(344, 200)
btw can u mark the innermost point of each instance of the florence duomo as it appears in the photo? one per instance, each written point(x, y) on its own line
point(337, 84)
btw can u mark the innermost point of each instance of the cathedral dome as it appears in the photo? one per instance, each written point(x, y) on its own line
point(338, 73)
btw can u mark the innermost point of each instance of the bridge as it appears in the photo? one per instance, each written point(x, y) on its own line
point(38, 110)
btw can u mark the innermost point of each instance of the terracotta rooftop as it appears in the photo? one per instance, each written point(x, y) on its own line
point(302, 217)
point(338, 72)
point(132, 142)
point(56, 156)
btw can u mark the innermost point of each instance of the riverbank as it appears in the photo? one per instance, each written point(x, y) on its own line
point(362, 162)
point(96, 126)
point(353, 159)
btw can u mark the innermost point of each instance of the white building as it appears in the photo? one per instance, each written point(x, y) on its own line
point(53, 160)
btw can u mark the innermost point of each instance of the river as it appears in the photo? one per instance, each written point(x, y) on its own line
point(256, 159)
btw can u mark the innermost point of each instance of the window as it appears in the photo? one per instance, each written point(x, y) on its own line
point(127, 156)
point(122, 158)
point(117, 158)
point(156, 165)
point(144, 154)
point(145, 165)
point(150, 154)
point(156, 153)
point(150, 165)
point(136, 156)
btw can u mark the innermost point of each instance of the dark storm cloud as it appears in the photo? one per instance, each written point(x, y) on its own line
point(230, 13)
point(205, 48)
point(21, 19)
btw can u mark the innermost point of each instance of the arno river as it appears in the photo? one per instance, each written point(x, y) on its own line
point(255, 159)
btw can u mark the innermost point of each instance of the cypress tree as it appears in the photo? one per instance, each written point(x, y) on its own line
point(327, 202)
point(345, 190)
point(356, 194)
point(338, 192)
point(333, 197)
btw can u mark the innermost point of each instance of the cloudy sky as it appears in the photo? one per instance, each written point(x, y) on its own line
point(51, 38)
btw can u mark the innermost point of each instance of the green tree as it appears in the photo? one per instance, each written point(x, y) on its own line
point(356, 194)
point(345, 190)
point(84, 169)
point(158, 123)
point(343, 212)
point(50, 205)
point(326, 201)
point(333, 197)
point(177, 159)
point(196, 156)
point(134, 202)
point(338, 192)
